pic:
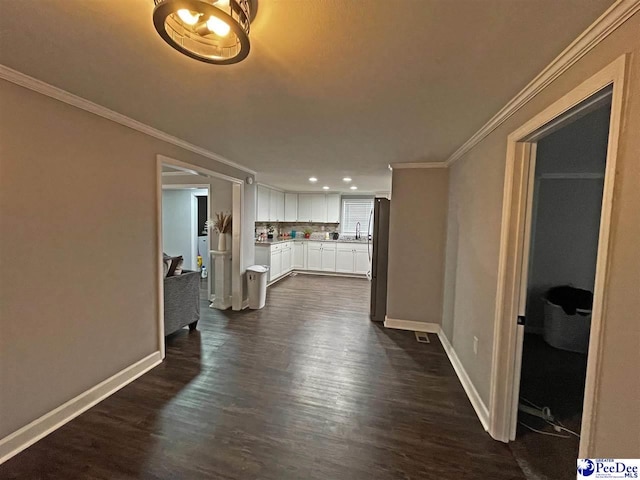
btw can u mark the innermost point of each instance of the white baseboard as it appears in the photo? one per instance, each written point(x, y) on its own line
point(47, 423)
point(474, 397)
point(330, 274)
point(411, 325)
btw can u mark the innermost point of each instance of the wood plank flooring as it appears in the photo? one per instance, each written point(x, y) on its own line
point(307, 388)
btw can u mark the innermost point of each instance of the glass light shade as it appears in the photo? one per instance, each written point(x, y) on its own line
point(212, 31)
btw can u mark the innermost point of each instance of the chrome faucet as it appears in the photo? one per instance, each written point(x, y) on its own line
point(358, 227)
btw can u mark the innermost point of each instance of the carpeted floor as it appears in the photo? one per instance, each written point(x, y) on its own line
point(550, 378)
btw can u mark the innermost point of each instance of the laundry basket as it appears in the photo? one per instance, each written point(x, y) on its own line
point(567, 318)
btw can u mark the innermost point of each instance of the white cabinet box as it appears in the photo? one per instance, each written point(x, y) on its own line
point(352, 258)
point(276, 206)
point(277, 257)
point(321, 256)
point(333, 208)
point(287, 264)
point(304, 207)
point(269, 205)
point(290, 207)
point(327, 256)
point(318, 207)
point(263, 200)
point(299, 255)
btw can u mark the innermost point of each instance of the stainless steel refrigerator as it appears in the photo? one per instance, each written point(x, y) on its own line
point(379, 256)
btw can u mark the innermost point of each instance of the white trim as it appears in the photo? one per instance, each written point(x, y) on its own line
point(504, 361)
point(201, 171)
point(474, 397)
point(277, 189)
point(608, 22)
point(44, 88)
point(237, 205)
point(411, 325)
point(327, 274)
point(400, 166)
point(47, 423)
point(159, 260)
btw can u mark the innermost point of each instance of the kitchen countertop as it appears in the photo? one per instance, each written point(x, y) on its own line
point(274, 241)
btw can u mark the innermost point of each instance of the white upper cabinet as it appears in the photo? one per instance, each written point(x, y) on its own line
point(318, 207)
point(279, 214)
point(262, 210)
point(276, 206)
point(304, 207)
point(290, 207)
point(333, 208)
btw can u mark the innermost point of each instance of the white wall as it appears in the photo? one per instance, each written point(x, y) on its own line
point(178, 234)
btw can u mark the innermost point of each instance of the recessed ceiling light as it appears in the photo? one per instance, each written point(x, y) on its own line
point(325, 188)
point(346, 179)
point(313, 179)
point(353, 187)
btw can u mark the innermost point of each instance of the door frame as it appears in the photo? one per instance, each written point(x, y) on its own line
point(515, 237)
point(236, 234)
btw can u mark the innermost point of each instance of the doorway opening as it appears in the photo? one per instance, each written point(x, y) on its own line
point(189, 197)
point(567, 168)
point(533, 194)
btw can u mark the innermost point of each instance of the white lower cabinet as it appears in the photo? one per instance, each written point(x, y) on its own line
point(321, 256)
point(276, 265)
point(314, 256)
point(328, 257)
point(344, 258)
point(338, 257)
point(299, 255)
point(362, 263)
point(352, 258)
point(286, 258)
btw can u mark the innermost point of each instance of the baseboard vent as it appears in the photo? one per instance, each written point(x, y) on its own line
point(422, 337)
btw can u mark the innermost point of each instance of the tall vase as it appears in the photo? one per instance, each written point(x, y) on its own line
point(222, 242)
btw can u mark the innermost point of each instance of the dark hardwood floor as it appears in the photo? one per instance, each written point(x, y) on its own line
point(307, 388)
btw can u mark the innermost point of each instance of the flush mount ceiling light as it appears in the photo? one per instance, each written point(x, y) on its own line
point(346, 179)
point(325, 188)
point(353, 187)
point(212, 31)
point(313, 179)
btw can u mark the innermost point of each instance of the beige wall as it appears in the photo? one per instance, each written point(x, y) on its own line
point(416, 244)
point(78, 259)
point(475, 209)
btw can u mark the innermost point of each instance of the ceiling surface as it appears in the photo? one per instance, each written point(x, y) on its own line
point(330, 87)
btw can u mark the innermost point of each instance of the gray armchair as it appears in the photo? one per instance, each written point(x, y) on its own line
point(181, 301)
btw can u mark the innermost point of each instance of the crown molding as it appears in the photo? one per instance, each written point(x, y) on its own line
point(44, 88)
point(606, 24)
point(400, 166)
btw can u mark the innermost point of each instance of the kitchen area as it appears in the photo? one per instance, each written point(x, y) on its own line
point(314, 233)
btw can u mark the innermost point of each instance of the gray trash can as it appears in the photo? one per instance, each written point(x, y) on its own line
point(257, 282)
